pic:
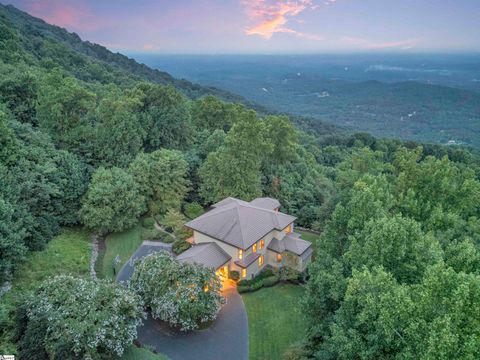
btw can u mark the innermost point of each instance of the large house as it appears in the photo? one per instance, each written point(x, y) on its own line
point(246, 236)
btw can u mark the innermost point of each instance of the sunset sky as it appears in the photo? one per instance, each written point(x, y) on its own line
point(263, 26)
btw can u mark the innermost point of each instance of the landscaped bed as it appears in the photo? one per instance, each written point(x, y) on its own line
point(275, 320)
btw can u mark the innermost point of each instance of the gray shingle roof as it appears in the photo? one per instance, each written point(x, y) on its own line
point(296, 245)
point(206, 254)
point(247, 260)
point(289, 243)
point(239, 223)
point(276, 245)
point(266, 203)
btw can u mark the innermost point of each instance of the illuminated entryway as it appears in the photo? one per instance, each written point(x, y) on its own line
point(222, 272)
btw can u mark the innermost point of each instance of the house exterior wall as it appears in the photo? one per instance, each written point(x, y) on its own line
point(270, 257)
point(199, 238)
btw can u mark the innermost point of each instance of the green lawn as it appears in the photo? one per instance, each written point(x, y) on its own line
point(274, 320)
point(68, 253)
point(123, 244)
point(309, 236)
point(136, 353)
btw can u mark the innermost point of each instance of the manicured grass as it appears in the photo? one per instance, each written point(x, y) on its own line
point(123, 244)
point(68, 253)
point(275, 320)
point(136, 353)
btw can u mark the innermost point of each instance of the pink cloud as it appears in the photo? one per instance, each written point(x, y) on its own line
point(270, 17)
point(75, 16)
point(375, 45)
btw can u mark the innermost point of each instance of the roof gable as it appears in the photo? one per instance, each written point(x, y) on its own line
point(206, 254)
point(239, 223)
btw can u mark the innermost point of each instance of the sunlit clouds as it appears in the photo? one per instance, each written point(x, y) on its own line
point(74, 16)
point(266, 26)
point(270, 17)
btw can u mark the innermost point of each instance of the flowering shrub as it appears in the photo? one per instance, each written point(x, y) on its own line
point(184, 295)
point(82, 317)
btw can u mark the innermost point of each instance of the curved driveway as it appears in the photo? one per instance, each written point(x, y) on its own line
point(226, 338)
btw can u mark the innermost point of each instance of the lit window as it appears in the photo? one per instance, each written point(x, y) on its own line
point(279, 257)
point(205, 288)
point(262, 244)
point(260, 261)
point(244, 273)
point(254, 248)
point(240, 254)
point(288, 229)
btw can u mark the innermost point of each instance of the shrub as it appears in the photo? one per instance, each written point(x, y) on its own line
point(267, 271)
point(234, 275)
point(244, 289)
point(148, 222)
point(173, 221)
point(193, 210)
point(151, 234)
point(257, 285)
point(271, 280)
point(289, 274)
point(245, 282)
point(166, 238)
point(180, 246)
point(78, 318)
point(182, 294)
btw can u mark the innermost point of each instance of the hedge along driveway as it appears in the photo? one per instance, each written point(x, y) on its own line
point(226, 338)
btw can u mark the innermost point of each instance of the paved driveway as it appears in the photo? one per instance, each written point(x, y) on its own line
point(226, 338)
point(147, 247)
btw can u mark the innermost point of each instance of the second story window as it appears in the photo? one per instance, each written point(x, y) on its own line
point(240, 254)
point(254, 248)
point(262, 244)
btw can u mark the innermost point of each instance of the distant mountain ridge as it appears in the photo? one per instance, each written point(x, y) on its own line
point(338, 90)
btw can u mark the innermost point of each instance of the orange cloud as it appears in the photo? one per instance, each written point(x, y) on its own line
point(375, 45)
point(271, 17)
point(73, 17)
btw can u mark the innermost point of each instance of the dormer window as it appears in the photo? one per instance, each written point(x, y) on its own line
point(240, 254)
point(254, 248)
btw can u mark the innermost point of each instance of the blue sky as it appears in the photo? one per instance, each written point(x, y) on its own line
point(268, 26)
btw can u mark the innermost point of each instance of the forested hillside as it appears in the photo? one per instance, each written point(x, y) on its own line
point(92, 139)
point(422, 97)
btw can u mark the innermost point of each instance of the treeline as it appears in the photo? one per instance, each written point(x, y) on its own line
point(397, 276)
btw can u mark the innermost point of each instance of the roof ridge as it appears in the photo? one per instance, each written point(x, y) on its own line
point(247, 204)
point(240, 227)
point(212, 212)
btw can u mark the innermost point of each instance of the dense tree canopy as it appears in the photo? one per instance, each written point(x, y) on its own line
point(162, 179)
point(113, 201)
point(389, 254)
